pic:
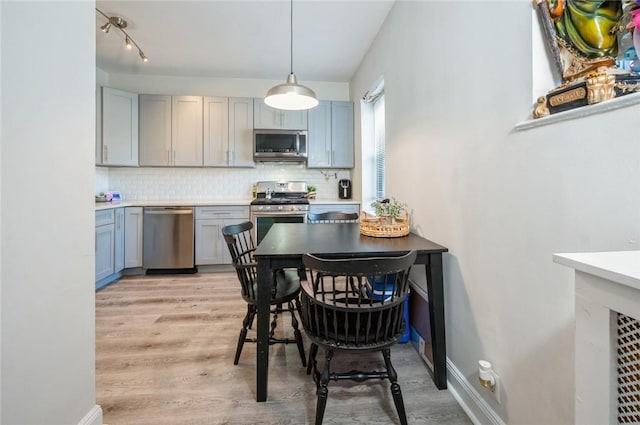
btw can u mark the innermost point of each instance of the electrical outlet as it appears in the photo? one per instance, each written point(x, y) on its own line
point(496, 391)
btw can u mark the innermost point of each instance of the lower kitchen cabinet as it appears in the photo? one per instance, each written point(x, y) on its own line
point(133, 237)
point(118, 248)
point(210, 246)
point(104, 244)
point(109, 245)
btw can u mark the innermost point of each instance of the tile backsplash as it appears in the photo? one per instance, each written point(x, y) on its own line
point(201, 184)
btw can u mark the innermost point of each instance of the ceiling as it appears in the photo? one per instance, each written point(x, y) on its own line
point(241, 38)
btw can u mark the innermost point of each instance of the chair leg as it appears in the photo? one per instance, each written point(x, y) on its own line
point(395, 388)
point(323, 391)
point(274, 322)
point(311, 363)
point(296, 331)
point(253, 315)
point(243, 332)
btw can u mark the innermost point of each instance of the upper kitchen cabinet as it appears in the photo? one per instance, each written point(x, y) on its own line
point(155, 129)
point(171, 130)
point(216, 131)
point(118, 144)
point(266, 117)
point(228, 132)
point(186, 130)
point(241, 132)
point(331, 135)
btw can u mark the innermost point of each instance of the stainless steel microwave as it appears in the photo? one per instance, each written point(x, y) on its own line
point(280, 145)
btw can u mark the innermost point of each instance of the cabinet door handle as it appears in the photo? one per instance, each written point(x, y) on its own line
point(105, 154)
point(328, 157)
point(168, 156)
point(333, 157)
point(174, 157)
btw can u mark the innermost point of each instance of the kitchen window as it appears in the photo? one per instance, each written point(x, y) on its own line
point(373, 145)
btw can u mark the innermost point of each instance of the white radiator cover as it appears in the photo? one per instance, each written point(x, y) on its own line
point(628, 348)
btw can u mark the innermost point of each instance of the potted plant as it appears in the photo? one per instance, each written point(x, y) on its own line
point(311, 191)
point(392, 209)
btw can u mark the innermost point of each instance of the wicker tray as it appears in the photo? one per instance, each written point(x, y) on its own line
point(381, 227)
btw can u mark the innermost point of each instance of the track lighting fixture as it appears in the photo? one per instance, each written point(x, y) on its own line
point(121, 24)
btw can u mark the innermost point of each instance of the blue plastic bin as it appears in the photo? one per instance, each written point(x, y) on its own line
point(378, 288)
point(406, 336)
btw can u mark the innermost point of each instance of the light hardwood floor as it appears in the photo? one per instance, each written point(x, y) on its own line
point(164, 355)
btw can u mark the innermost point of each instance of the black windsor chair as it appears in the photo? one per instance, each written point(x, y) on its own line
point(285, 289)
point(354, 305)
point(332, 217)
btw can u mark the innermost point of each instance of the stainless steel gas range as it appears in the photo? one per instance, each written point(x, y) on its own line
point(278, 202)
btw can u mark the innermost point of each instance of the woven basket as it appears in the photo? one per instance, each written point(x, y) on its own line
point(381, 227)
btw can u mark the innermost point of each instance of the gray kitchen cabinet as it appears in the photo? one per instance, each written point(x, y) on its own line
point(98, 125)
point(104, 244)
point(216, 131)
point(118, 142)
point(210, 247)
point(340, 207)
point(319, 138)
point(155, 129)
point(133, 237)
point(119, 247)
point(228, 132)
point(266, 117)
point(171, 130)
point(241, 132)
point(331, 135)
point(186, 130)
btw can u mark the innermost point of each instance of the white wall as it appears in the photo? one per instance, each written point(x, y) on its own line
point(47, 222)
point(458, 77)
point(231, 87)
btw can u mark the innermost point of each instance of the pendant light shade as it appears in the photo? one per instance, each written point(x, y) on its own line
point(290, 95)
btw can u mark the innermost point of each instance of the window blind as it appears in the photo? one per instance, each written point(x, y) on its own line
point(379, 139)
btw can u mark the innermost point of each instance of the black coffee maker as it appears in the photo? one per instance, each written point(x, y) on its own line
point(344, 189)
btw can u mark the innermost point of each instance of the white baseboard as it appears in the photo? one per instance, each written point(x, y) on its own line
point(478, 410)
point(93, 417)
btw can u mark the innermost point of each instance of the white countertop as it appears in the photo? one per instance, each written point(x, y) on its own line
point(618, 266)
point(222, 202)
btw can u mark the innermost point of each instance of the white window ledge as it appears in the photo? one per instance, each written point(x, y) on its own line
point(610, 105)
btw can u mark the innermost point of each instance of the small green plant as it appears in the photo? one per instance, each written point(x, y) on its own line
point(389, 208)
point(311, 188)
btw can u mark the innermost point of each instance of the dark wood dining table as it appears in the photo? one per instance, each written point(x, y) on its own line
point(283, 247)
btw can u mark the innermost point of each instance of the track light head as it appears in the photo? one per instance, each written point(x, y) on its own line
point(106, 27)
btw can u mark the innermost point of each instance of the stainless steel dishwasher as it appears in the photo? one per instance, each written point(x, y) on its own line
point(168, 238)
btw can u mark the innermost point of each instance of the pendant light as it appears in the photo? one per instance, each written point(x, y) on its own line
point(291, 95)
